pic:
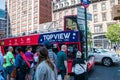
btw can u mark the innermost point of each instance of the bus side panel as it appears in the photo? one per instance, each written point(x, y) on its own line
point(2, 49)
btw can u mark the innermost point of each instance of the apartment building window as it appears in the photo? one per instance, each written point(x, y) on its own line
point(60, 15)
point(24, 3)
point(55, 16)
point(56, 6)
point(103, 6)
point(112, 3)
point(67, 3)
point(54, 24)
point(95, 18)
point(72, 1)
point(35, 9)
point(61, 5)
point(72, 11)
point(35, 14)
point(118, 1)
point(95, 8)
point(35, 19)
point(104, 17)
point(24, 12)
point(98, 28)
point(111, 15)
point(66, 12)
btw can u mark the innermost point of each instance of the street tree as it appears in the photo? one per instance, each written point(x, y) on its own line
point(89, 38)
point(113, 33)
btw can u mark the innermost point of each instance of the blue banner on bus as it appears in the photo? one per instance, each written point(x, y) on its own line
point(62, 36)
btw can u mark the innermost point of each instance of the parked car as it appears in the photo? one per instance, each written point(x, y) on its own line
point(106, 57)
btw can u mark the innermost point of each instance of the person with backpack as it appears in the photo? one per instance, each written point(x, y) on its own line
point(51, 54)
point(79, 67)
point(21, 63)
point(46, 70)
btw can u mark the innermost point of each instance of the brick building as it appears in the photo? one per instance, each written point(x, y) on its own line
point(24, 16)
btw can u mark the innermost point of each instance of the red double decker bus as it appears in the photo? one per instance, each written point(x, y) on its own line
point(71, 36)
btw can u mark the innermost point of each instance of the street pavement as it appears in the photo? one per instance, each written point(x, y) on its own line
point(101, 72)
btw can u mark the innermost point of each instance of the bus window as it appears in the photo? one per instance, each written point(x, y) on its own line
point(71, 23)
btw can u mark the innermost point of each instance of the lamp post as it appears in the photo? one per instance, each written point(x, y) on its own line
point(85, 4)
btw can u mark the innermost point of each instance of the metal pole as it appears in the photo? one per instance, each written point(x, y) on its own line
point(86, 40)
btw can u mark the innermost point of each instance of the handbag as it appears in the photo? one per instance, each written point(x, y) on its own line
point(79, 68)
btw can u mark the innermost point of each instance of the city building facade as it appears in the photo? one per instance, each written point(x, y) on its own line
point(2, 24)
point(24, 16)
point(61, 9)
point(102, 17)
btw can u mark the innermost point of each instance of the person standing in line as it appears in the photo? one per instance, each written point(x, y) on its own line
point(79, 67)
point(62, 61)
point(9, 61)
point(18, 63)
point(46, 70)
point(4, 66)
point(36, 59)
point(51, 54)
point(1, 66)
point(29, 55)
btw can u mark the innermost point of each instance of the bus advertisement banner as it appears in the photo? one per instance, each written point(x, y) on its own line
point(22, 41)
point(57, 37)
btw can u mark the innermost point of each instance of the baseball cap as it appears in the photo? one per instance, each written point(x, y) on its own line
point(47, 44)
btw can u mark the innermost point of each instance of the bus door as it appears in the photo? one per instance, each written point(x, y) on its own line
point(72, 49)
point(71, 53)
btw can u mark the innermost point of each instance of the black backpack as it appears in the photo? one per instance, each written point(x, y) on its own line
point(24, 67)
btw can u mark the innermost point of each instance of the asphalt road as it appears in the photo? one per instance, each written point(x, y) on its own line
point(101, 72)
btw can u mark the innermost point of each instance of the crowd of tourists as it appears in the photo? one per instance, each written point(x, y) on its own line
point(44, 64)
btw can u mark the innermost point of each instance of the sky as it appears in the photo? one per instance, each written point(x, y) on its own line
point(2, 4)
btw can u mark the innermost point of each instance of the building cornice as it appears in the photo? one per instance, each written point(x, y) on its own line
point(67, 7)
point(95, 1)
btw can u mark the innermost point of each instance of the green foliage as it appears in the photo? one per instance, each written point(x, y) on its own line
point(89, 38)
point(113, 33)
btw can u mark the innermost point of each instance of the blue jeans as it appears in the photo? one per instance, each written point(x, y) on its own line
point(9, 69)
point(5, 74)
point(1, 76)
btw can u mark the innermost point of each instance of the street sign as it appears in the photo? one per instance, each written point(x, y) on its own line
point(85, 3)
point(81, 13)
